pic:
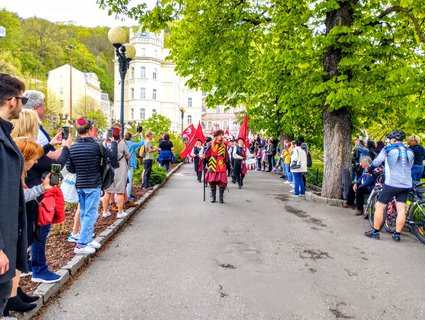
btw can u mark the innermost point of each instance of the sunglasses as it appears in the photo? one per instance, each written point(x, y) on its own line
point(23, 99)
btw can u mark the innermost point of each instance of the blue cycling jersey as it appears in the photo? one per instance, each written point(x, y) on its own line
point(398, 165)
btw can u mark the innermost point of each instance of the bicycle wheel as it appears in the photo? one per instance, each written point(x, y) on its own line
point(390, 217)
point(417, 220)
point(371, 211)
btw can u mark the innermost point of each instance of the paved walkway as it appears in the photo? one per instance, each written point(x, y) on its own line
point(261, 255)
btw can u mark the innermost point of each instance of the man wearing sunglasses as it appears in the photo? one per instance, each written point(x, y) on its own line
point(13, 229)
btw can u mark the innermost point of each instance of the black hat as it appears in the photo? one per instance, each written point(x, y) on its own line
point(240, 138)
point(208, 139)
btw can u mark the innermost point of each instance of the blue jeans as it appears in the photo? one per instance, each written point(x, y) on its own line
point(288, 172)
point(89, 203)
point(130, 181)
point(38, 251)
point(417, 171)
point(299, 187)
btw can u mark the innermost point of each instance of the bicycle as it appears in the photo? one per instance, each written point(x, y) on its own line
point(415, 213)
point(369, 211)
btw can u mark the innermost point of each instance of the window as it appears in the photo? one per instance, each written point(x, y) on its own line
point(225, 125)
point(132, 113)
point(143, 52)
point(189, 102)
point(209, 125)
point(203, 125)
point(132, 93)
point(154, 73)
point(132, 72)
point(154, 94)
point(61, 103)
point(61, 90)
point(142, 114)
point(142, 93)
point(143, 72)
point(217, 110)
point(156, 53)
point(153, 111)
point(189, 119)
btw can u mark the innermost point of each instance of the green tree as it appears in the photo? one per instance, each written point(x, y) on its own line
point(323, 67)
point(158, 124)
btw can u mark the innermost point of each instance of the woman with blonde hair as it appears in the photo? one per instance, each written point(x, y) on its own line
point(27, 126)
point(418, 168)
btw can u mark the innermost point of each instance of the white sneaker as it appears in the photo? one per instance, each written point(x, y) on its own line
point(295, 196)
point(121, 215)
point(291, 191)
point(84, 250)
point(94, 244)
point(287, 182)
point(302, 195)
point(106, 214)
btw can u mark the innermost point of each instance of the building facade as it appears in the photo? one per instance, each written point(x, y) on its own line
point(222, 117)
point(153, 87)
point(84, 92)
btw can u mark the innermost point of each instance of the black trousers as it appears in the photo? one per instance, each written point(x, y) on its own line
point(5, 291)
point(237, 171)
point(270, 161)
point(358, 196)
point(147, 169)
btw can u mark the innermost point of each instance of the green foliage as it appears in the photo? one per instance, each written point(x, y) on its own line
point(157, 124)
point(158, 174)
point(178, 145)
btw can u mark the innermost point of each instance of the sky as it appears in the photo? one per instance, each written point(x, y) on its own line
point(82, 12)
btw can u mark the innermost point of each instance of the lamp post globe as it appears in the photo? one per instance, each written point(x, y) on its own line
point(125, 53)
point(117, 36)
point(182, 110)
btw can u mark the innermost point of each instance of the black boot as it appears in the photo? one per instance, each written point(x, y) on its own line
point(221, 195)
point(200, 176)
point(239, 182)
point(213, 194)
point(26, 298)
point(16, 304)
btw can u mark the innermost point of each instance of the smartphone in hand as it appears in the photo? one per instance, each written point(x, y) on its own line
point(139, 129)
point(55, 173)
point(109, 134)
point(65, 133)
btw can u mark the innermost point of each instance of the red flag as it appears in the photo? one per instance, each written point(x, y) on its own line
point(243, 131)
point(227, 132)
point(199, 135)
point(189, 131)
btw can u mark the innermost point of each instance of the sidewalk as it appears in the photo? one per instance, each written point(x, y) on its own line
point(261, 255)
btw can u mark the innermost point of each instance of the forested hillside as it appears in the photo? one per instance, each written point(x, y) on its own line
point(34, 46)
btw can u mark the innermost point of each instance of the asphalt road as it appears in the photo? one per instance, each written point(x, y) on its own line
point(261, 255)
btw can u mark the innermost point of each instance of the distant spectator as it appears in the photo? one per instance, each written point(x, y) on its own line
point(298, 157)
point(417, 169)
point(132, 150)
point(166, 155)
point(148, 161)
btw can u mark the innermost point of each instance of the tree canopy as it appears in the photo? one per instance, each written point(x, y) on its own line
point(320, 68)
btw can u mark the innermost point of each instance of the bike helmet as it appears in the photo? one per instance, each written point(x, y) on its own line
point(396, 134)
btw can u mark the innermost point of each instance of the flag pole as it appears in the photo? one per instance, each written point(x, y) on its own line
point(203, 169)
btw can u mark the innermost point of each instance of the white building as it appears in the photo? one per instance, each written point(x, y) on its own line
point(152, 86)
point(85, 86)
point(221, 118)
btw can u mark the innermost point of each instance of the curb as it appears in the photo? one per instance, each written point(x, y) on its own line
point(47, 290)
point(311, 196)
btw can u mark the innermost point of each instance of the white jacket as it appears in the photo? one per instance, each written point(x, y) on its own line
point(298, 155)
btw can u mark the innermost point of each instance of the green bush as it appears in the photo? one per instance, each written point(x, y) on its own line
point(158, 174)
point(315, 176)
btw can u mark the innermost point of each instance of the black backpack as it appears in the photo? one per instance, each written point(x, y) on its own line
point(108, 173)
point(309, 160)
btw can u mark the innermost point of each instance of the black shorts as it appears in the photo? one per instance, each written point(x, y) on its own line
point(388, 193)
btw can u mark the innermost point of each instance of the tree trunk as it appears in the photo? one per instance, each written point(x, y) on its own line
point(337, 123)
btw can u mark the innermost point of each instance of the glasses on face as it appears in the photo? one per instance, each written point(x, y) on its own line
point(23, 99)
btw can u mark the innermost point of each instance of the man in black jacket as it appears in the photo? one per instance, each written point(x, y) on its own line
point(13, 237)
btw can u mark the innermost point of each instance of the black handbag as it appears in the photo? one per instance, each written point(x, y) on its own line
point(295, 165)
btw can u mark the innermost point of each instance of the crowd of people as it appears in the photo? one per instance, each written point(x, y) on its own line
point(29, 191)
point(224, 156)
point(402, 166)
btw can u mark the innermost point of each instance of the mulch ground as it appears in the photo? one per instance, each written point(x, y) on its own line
point(59, 251)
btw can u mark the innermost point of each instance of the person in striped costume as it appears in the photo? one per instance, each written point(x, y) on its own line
point(217, 162)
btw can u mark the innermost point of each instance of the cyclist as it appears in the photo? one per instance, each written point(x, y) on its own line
point(398, 182)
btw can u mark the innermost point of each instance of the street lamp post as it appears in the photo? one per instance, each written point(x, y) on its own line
point(182, 110)
point(125, 53)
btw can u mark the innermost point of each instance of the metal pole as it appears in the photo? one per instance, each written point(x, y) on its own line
point(122, 105)
point(182, 120)
point(123, 63)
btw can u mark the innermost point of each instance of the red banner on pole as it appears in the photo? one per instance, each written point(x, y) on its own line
point(189, 131)
point(199, 135)
point(243, 131)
